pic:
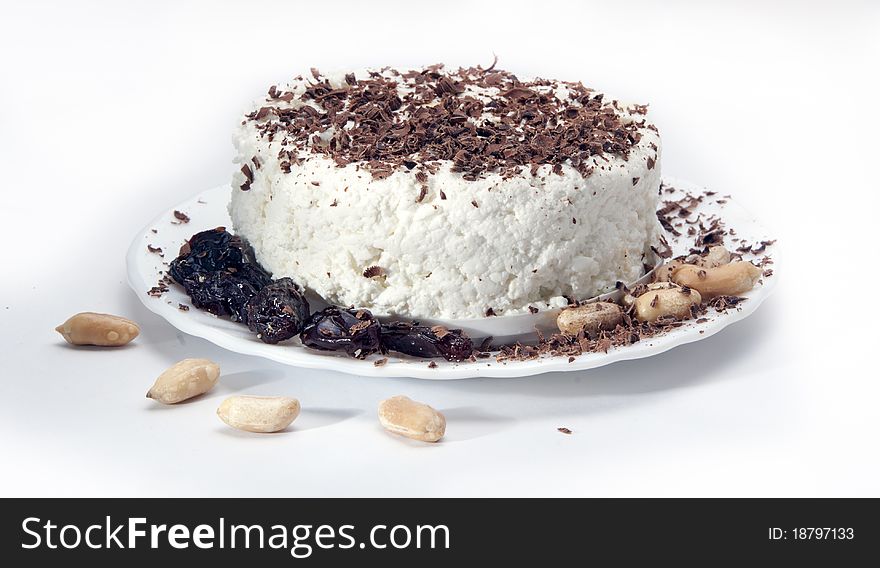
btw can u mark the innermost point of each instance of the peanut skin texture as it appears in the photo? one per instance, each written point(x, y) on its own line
point(184, 380)
point(664, 273)
point(665, 299)
point(406, 417)
point(589, 318)
point(725, 280)
point(717, 256)
point(104, 330)
point(261, 414)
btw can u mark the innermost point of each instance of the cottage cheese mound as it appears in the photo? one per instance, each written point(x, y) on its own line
point(417, 236)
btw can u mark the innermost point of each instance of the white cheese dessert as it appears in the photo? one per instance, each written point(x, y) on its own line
point(447, 194)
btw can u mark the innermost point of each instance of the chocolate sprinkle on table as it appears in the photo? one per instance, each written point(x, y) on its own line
point(564, 430)
point(181, 216)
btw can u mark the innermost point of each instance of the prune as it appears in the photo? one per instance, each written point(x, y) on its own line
point(278, 311)
point(222, 294)
point(423, 341)
point(253, 273)
point(339, 329)
point(212, 251)
point(207, 251)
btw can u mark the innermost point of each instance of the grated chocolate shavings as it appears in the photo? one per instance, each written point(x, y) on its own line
point(374, 272)
point(181, 216)
point(432, 117)
point(363, 324)
point(564, 430)
point(440, 331)
point(249, 177)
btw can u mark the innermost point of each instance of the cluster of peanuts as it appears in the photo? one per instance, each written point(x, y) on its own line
point(190, 378)
point(677, 287)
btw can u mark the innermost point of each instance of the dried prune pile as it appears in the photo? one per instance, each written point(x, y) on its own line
point(277, 312)
point(423, 341)
point(219, 273)
point(340, 329)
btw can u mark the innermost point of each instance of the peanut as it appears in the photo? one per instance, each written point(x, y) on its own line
point(589, 318)
point(90, 328)
point(401, 415)
point(725, 280)
point(665, 299)
point(184, 380)
point(664, 273)
point(259, 413)
point(717, 256)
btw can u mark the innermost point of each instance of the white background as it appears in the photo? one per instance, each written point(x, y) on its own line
point(112, 112)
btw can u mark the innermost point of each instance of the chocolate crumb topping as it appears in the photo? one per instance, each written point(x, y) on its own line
point(374, 272)
point(440, 331)
point(249, 177)
point(482, 120)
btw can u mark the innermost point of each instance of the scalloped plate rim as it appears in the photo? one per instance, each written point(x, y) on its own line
point(296, 355)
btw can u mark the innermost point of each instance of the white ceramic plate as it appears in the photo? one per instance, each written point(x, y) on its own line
point(208, 209)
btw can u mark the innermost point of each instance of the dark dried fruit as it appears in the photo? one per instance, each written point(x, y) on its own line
point(339, 329)
point(222, 294)
point(219, 273)
point(278, 311)
point(212, 251)
point(423, 341)
point(253, 273)
point(207, 251)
